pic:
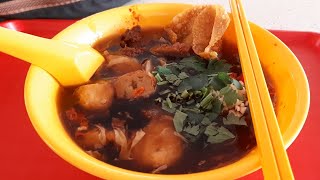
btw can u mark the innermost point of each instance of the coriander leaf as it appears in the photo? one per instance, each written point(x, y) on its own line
point(219, 138)
point(211, 130)
point(230, 95)
point(212, 115)
point(205, 121)
point(218, 66)
point(243, 121)
point(171, 78)
point(217, 104)
point(225, 90)
point(224, 77)
point(237, 84)
point(183, 75)
point(184, 87)
point(222, 135)
point(196, 82)
point(191, 138)
point(178, 120)
point(193, 117)
point(174, 69)
point(193, 130)
point(232, 119)
point(175, 65)
point(163, 70)
point(166, 107)
point(225, 131)
point(194, 63)
point(216, 83)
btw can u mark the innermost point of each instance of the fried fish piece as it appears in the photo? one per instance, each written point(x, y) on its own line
point(202, 27)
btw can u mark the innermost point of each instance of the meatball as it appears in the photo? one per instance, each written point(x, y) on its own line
point(134, 85)
point(97, 96)
point(159, 146)
point(120, 65)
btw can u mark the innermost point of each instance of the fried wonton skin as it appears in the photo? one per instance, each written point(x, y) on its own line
point(202, 27)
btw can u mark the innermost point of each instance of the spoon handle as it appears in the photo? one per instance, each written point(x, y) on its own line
point(70, 64)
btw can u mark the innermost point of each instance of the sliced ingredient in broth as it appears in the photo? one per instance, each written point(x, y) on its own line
point(166, 100)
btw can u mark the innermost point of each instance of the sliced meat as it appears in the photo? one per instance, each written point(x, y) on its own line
point(148, 66)
point(131, 51)
point(134, 85)
point(119, 65)
point(96, 97)
point(94, 138)
point(118, 123)
point(131, 37)
point(175, 50)
point(159, 146)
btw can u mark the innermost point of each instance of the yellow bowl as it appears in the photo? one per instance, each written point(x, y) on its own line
point(42, 91)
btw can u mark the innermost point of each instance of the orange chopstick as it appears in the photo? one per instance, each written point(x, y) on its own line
point(274, 159)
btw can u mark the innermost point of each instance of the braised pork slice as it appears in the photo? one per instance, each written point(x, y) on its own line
point(174, 50)
point(119, 65)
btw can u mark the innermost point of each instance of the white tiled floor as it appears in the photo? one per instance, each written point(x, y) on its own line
point(302, 15)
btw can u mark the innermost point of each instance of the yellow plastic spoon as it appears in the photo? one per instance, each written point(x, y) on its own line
point(70, 64)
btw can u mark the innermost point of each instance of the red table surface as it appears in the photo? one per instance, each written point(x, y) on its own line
point(23, 155)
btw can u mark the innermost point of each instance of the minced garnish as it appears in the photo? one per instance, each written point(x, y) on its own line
point(199, 94)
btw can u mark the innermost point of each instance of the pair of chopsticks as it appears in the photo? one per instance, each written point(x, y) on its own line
point(274, 159)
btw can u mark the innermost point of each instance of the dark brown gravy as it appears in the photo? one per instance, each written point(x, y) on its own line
point(195, 158)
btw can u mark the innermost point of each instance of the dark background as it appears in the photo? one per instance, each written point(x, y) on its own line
point(70, 11)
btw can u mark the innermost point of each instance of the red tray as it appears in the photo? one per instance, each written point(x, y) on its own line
point(23, 155)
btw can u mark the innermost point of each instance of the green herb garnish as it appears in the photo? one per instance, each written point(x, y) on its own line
point(237, 84)
point(193, 130)
point(232, 119)
point(197, 93)
point(178, 120)
point(164, 92)
point(230, 95)
point(163, 70)
point(221, 134)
